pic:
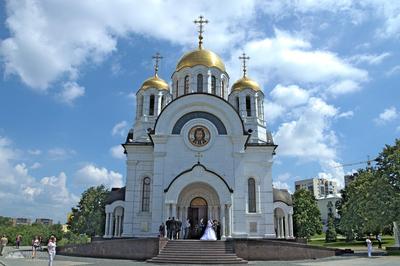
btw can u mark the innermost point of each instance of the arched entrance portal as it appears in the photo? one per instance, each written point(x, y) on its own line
point(197, 215)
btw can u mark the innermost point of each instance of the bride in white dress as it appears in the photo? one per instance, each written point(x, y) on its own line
point(209, 233)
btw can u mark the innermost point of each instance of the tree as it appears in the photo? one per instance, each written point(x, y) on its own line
point(330, 234)
point(388, 163)
point(89, 215)
point(306, 215)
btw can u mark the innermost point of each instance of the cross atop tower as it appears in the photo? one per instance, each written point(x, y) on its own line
point(157, 57)
point(200, 21)
point(243, 57)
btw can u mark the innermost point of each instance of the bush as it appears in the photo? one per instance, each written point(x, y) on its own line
point(71, 238)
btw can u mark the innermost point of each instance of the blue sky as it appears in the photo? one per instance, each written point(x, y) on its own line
point(70, 70)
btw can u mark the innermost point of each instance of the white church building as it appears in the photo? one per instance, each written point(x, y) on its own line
point(200, 148)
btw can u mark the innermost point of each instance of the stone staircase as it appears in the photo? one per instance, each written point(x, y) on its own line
point(197, 252)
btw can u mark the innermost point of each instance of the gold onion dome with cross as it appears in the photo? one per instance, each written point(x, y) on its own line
point(201, 56)
point(155, 81)
point(245, 82)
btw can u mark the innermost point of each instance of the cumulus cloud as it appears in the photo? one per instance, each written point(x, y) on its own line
point(307, 136)
point(281, 185)
point(388, 115)
point(70, 92)
point(35, 165)
point(91, 175)
point(289, 96)
point(120, 129)
point(37, 197)
point(291, 59)
point(117, 152)
point(88, 32)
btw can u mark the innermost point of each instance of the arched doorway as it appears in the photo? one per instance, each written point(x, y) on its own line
point(198, 216)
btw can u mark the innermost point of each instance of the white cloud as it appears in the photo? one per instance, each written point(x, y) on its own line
point(91, 175)
point(347, 114)
point(90, 31)
point(393, 71)
point(289, 96)
point(120, 129)
point(344, 87)
point(36, 165)
point(388, 115)
point(283, 177)
point(291, 59)
point(281, 185)
point(308, 136)
point(371, 59)
point(117, 152)
point(30, 196)
point(70, 92)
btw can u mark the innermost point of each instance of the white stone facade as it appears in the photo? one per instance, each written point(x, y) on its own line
point(227, 165)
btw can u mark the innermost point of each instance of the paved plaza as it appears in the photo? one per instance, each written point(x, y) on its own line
point(23, 258)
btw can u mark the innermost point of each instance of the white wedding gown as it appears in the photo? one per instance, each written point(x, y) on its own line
point(209, 234)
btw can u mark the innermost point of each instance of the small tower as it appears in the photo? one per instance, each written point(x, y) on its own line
point(200, 71)
point(151, 98)
point(248, 99)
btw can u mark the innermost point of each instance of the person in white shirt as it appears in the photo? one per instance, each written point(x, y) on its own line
point(369, 245)
point(51, 248)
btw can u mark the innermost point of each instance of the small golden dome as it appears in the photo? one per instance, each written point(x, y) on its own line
point(154, 82)
point(244, 83)
point(201, 57)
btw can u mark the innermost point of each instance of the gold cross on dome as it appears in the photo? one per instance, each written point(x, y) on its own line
point(200, 21)
point(198, 156)
point(157, 57)
point(243, 57)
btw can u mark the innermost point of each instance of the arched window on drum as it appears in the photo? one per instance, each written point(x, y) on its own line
point(199, 83)
point(186, 84)
point(213, 85)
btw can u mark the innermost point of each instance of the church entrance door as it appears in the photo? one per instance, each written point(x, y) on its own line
point(197, 214)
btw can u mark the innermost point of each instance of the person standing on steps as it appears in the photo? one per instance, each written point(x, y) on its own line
point(186, 228)
point(209, 233)
point(168, 224)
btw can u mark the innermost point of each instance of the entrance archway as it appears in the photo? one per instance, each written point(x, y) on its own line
point(198, 217)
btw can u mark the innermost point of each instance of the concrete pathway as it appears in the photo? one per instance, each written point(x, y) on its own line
point(22, 257)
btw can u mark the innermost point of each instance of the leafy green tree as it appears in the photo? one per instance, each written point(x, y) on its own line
point(5, 221)
point(388, 163)
point(306, 215)
point(330, 234)
point(89, 215)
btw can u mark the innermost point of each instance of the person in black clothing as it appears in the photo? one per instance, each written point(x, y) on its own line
point(168, 224)
point(161, 230)
point(173, 228)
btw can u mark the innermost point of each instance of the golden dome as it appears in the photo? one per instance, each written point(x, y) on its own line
point(244, 83)
point(154, 82)
point(201, 57)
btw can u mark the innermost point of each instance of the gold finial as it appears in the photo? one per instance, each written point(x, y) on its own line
point(244, 58)
point(157, 57)
point(200, 22)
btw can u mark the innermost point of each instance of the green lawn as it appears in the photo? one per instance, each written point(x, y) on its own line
point(319, 240)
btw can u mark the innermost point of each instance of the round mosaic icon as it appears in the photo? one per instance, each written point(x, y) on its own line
point(199, 136)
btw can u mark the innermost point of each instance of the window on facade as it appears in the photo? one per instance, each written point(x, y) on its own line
point(222, 88)
point(252, 194)
point(186, 84)
point(146, 195)
point(177, 89)
point(213, 84)
point(151, 106)
point(199, 83)
point(248, 105)
point(237, 104)
point(162, 101)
